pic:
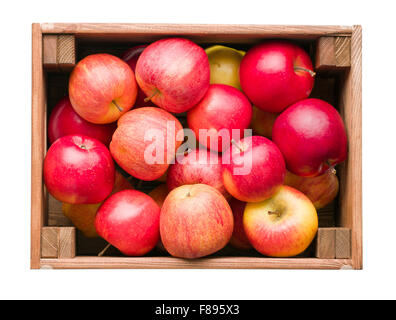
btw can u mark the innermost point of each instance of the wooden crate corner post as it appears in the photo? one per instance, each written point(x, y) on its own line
point(58, 242)
point(59, 52)
point(333, 53)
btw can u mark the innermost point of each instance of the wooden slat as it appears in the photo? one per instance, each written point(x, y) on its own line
point(205, 263)
point(333, 53)
point(50, 242)
point(55, 215)
point(343, 243)
point(67, 242)
point(201, 32)
point(350, 172)
point(59, 52)
point(39, 139)
point(325, 243)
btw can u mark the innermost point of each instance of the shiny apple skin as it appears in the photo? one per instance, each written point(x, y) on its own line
point(239, 239)
point(129, 220)
point(177, 70)
point(98, 80)
point(128, 144)
point(321, 190)
point(196, 221)
point(65, 121)
point(131, 57)
point(263, 122)
point(79, 169)
point(222, 108)
point(269, 79)
point(311, 136)
point(83, 215)
point(267, 169)
point(287, 235)
point(197, 167)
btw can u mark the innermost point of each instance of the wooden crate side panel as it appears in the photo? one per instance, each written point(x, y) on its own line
point(204, 263)
point(351, 170)
point(38, 196)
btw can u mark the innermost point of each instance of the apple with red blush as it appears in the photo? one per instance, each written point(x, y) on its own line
point(129, 220)
point(311, 136)
point(65, 121)
point(224, 113)
point(79, 170)
point(102, 87)
point(276, 74)
point(253, 169)
point(174, 74)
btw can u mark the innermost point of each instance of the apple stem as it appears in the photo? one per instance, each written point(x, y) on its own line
point(118, 107)
point(275, 212)
point(156, 91)
point(312, 73)
point(101, 253)
point(236, 145)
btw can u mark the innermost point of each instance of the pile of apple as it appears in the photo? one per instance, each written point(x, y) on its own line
point(270, 205)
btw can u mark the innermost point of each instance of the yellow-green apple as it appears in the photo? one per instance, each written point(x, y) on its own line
point(102, 87)
point(239, 239)
point(282, 226)
point(145, 142)
point(131, 57)
point(263, 122)
point(321, 190)
point(198, 166)
point(83, 215)
point(78, 169)
point(129, 220)
point(65, 121)
point(174, 73)
point(276, 74)
point(253, 169)
point(224, 65)
point(196, 220)
point(222, 114)
point(311, 136)
point(159, 194)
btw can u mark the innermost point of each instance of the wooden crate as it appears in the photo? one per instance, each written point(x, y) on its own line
point(336, 51)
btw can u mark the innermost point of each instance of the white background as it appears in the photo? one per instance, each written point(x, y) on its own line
point(377, 280)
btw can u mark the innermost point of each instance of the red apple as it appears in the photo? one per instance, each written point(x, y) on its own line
point(174, 74)
point(224, 112)
point(239, 239)
point(196, 220)
point(253, 169)
point(102, 87)
point(83, 215)
point(78, 169)
point(282, 226)
point(263, 122)
point(145, 142)
point(65, 121)
point(321, 190)
point(276, 74)
point(198, 166)
point(311, 137)
point(129, 220)
point(131, 57)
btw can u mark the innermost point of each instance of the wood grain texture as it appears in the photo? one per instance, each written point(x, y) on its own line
point(39, 140)
point(200, 32)
point(333, 53)
point(50, 242)
point(325, 243)
point(59, 52)
point(343, 243)
point(56, 217)
point(67, 242)
point(205, 263)
point(350, 172)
